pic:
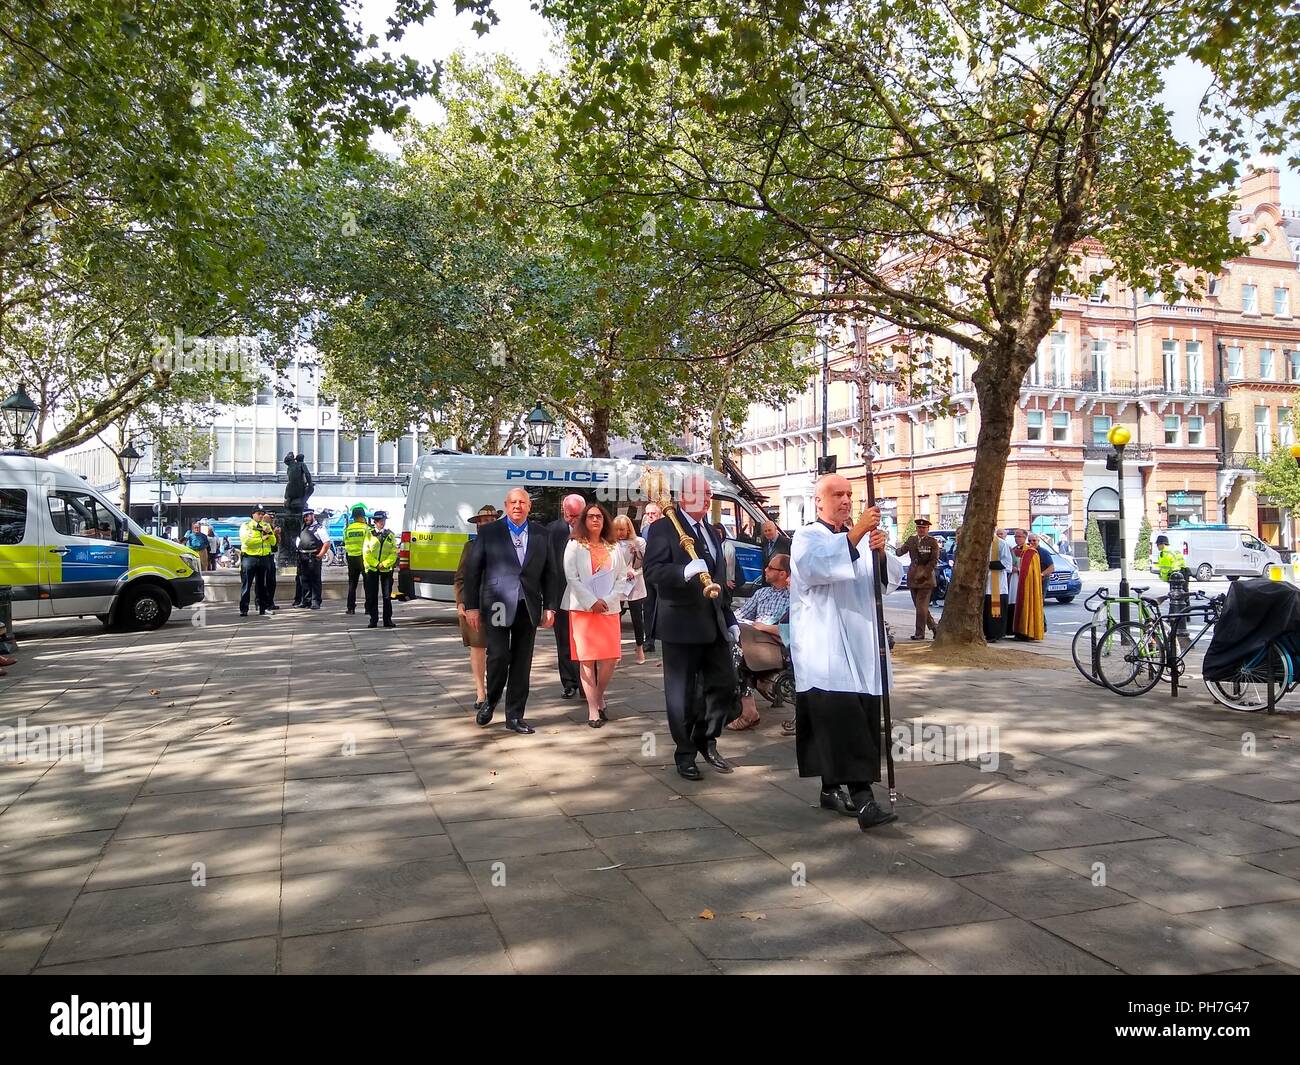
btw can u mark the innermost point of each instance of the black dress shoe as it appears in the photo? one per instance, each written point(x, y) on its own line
point(648, 648)
point(872, 815)
point(372, 625)
point(690, 771)
point(604, 716)
point(272, 606)
point(838, 801)
point(711, 755)
point(522, 727)
point(484, 715)
point(353, 611)
point(243, 613)
point(390, 624)
point(569, 693)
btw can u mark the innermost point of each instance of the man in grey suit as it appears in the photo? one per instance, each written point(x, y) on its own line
point(511, 586)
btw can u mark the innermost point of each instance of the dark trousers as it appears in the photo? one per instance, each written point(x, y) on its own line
point(253, 571)
point(355, 568)
point(924, 619)
point(569, 675)
point(509, 661)
point(379, 586)
point(651, 598)
point(685, 665)
point(307, 589)
point(636, 607)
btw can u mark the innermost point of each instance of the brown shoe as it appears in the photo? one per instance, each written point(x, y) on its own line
point(5, 660)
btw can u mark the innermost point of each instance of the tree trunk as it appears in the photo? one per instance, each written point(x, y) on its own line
point(998, 387)
point(598, 434)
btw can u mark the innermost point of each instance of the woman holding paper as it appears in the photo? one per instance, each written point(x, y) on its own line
point(597, 577)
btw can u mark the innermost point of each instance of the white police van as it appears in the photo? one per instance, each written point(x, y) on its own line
point(447, 488)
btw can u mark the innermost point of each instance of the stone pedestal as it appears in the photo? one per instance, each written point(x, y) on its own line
point(290, 526)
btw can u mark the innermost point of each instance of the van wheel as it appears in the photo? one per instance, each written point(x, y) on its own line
point(1204, 572)
point(144, 608)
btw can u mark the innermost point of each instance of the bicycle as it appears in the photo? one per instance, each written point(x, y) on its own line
point(1133, 658)
point(1089, 637)
point(1248, 690)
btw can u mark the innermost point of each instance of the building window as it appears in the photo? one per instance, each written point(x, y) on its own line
point(958, 369)
point(243, 450)
point(1234, 363)
point(1101, 364)
point(1098, 294)
point(1195, 366)
point(388, 457)
point(366, 453)
point(1100, 427)
point(1285, 434)
point(1293, 365)
point(1036, 368)
point(325, 457)
point(1060, 360)
point(1262, 435)
point(1173, 428)
point(405, 454)
point(265, 393)
point(1249, 299)
point(1282, 302)
point(959, 431)
point(347, 454)
point(1034, 425)
point(929, 435)
point(266, 458)
point(1060, 426)
point(890, 441)
point(1195, 429)
point(1169, 354)
point(1266, 364)
point(307, 447)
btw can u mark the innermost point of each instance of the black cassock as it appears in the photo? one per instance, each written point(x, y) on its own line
point(995, 628)
point(837, 735)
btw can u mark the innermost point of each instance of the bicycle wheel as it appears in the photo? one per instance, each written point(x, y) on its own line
point(1247, 690)
point(1085, 641)
point(1130, 658)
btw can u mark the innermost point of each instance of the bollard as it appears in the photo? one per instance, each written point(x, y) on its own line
point(1177, 618)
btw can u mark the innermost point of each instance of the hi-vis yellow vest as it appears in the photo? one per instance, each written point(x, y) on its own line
point(380, 551)
point(354, 537)
point(256, 538)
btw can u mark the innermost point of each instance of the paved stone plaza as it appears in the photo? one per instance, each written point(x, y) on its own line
point(303, 795)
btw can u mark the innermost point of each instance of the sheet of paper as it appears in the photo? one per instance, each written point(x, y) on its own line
point(601, 583)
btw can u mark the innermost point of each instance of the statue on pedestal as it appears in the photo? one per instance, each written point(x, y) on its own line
point(296, 494)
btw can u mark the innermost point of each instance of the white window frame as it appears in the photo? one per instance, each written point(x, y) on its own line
point(1169, 361)
point(959, 431)
point(1281, 307)
point(1236, 361)
point(1195, 359)
point(1030, 428)
point(1064, 439)
point(1269, 372)
point(1060, 359)
point(1249, 299)
point(1177, 428)
point(1195, 436)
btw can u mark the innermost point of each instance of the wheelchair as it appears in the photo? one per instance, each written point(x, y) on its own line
point(775, 685)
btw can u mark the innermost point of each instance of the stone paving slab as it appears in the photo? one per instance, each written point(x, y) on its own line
point(351, 817)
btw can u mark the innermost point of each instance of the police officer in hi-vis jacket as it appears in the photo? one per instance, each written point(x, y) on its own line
point(354, 539)
point(379, 555)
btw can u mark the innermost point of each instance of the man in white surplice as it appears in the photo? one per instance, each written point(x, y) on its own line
point(835, 645)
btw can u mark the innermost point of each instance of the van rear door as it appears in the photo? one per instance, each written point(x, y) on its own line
point(21, 551)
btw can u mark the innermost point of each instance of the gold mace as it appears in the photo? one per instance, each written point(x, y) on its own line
point(655, 485)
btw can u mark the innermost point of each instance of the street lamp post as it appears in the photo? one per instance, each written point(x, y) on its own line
point(128, 460)
point(539, 425)
point(182, 482)
point(1119, 436)
point(19, 415)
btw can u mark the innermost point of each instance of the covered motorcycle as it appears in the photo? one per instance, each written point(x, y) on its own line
point(1256, 614)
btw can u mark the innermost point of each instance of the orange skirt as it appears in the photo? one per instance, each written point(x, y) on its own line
point(594, 637)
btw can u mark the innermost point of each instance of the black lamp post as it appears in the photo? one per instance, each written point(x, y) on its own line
point(128, 461)
point(19, 415)
point(539, 425)
point(1119, 436)
point(181, 483)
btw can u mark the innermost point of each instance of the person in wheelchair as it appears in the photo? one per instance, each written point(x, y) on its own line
point(763, 653)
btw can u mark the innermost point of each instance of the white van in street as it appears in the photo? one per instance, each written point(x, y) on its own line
point(66, 551)
point(447, 488)
point(1222, 551)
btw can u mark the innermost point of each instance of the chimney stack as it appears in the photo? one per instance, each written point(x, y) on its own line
point(1260, 185)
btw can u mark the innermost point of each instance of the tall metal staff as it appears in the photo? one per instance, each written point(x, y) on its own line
point(862, 376)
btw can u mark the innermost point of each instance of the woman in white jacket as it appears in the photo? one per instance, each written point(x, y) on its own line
point(597, 582)
point(633, 548)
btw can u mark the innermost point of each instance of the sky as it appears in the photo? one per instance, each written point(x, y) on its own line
point(526, 37)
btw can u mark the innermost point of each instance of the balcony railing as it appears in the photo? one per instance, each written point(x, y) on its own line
point(1199, 388)
point(1140, 452)
point(1241, 460)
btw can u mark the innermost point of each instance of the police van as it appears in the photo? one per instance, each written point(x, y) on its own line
point(1222, 551)
point(68, 552)
point(448, 488)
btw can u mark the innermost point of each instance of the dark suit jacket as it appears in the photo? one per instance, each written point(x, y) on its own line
point(493, 574)
point(683, 614)
point(559, 533)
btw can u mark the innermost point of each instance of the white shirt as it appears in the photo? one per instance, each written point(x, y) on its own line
point(1005, 557)
point(833, 637)
point(520, 542)
point(701, 534)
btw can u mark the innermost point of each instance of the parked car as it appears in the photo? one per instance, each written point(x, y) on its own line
point(1064, 583)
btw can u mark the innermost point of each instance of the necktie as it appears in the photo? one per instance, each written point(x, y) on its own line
point(703, 537)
